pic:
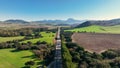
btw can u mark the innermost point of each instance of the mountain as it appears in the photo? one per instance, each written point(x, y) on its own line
point(16, 21)
point(73, 21)
point(49, 21)
point(100, 22)
point(63, 22)
point(69, 21)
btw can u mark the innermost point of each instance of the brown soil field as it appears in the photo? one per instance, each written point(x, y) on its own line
point(95, 42)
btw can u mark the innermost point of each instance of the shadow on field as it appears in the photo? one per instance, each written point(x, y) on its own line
point(31, 56)
point(15, 50)
point(40, 63)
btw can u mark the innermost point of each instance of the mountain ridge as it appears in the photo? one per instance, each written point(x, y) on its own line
point(111, 22)
point(54, 22)
point(69, 21)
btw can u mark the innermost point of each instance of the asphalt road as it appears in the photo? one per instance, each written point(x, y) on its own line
point(58, 57)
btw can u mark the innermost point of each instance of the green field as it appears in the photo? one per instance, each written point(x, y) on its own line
point(5, 39)
point(48, 37)
point(112, 29)
point(98, 29)
point(10, 59)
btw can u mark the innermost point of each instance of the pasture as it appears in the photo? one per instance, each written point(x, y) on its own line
point(11, 59)
point(5, 39)
point(48, 37)
point(98, 29)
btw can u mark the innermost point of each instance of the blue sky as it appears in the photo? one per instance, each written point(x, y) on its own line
point(59, 9)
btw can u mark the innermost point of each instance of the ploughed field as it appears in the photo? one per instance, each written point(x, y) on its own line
point(97, 42)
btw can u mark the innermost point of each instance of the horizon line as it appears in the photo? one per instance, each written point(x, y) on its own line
point(57, 19)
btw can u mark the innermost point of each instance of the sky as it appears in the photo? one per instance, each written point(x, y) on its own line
point(32, 10)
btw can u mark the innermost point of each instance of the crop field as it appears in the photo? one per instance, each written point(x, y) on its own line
point(9, 59)
point(112, 29)
point(97, 42)
point(98, 29)
point(93, 28)
point(5, 39)
point(48, 37)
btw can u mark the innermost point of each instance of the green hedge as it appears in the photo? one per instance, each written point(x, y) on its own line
point(66, 56)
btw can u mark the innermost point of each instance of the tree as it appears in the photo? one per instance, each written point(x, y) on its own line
point(99, 64)
point(75, 57)
point(38, 42)
point(38, 53)
point(67, 58)
point(71, 45)
point(116, 62)
point(109, 54)
point(37, 35)
point(44, 42)
point(102, 65)
point(83, 65)
point(23, 47)
point(30, 63)
point(78, 49)
point(29, 43)
point(97, 56)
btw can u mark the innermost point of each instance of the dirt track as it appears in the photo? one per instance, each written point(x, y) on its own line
point(97, 42)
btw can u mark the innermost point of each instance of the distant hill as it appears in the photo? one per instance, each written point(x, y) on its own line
point(100, 23)
point(69, 21)
point(16, 21)
point(63, 22)
point(72, 22)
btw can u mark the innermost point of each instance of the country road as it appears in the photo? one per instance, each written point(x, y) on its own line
point(57, 63)
point(58, 57)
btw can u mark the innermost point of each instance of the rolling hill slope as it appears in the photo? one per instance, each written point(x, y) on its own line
point(98, 29)
point(112, 22)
